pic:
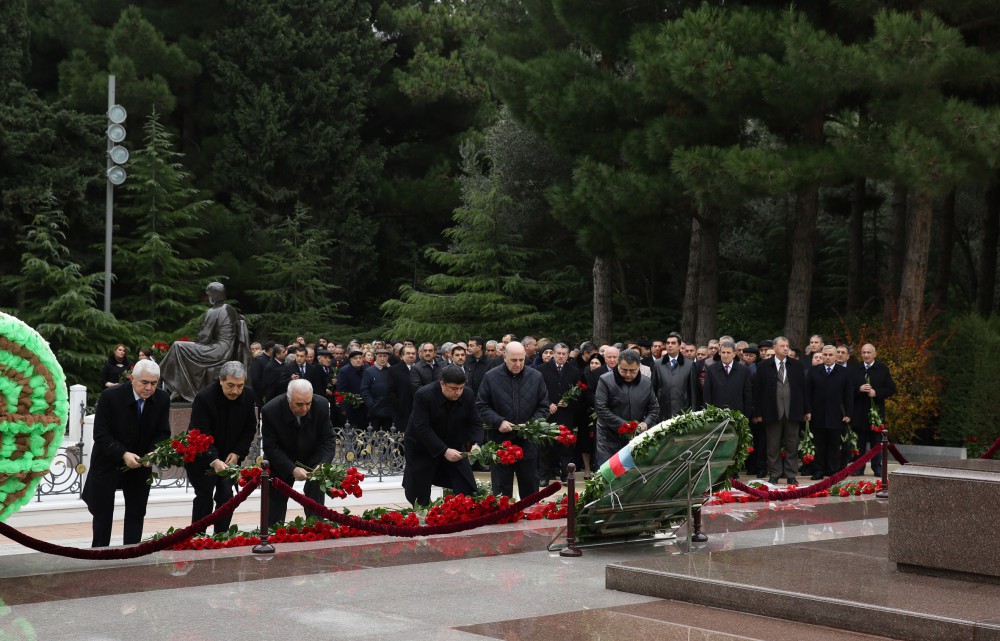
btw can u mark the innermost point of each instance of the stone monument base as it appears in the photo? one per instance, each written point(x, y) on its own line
point(180, 416)
point(942, 518)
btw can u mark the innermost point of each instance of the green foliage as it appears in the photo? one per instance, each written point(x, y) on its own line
point(968, 365)
point(296, 282)
point(60, 301)
point(160, 271)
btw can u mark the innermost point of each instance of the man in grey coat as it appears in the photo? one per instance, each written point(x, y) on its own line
point(509, 395)
point(672, 378)
point(623, 395)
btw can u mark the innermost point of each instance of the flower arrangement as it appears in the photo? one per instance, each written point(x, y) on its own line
point(336, 480)
point(537, 430)
point(37, 407)
point(572, 394)
point(176, 451)
point(348, 399)
point(491, 452)
point(628, 428)
point(160, 348)
point(566, 436)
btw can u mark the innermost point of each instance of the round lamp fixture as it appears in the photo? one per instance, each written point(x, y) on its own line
point(117, 114)
point(116, 133)
point(116, 175)
point(119, 155)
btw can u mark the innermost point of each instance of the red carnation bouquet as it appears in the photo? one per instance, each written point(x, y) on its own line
point(572, 394)
point(490, 453)
point(176, 451)
point(240, 475)
point(566, 436)
point(628, 428)
point(348, 399)
point(336, 480)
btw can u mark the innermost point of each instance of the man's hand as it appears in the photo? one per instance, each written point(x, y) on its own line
point(132, 460)
point(233, 459)
point(218, 465)
point(642, 427)
point(475, 447)
point(506, 426)
point(452, 455)
point(847, 419)
point(553, 408)
point(300, 474)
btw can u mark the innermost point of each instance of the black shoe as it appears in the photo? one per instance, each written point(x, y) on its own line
point(772, 481)
point(792, 480)
point(818, 476)
point(544, 483)
point(761, 475)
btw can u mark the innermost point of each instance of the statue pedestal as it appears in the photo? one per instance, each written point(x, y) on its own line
point(942, 518)
point(180, 416)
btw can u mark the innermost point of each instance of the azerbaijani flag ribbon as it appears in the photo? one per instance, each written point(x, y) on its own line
point(617, 465)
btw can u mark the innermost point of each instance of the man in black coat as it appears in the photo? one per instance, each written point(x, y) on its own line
point(510, 395)
point(322, 373)
point(443, 424)
point(477, 364)
point(728, 384)
point(301, 367)
point(779, 402)
point(829, 405)
point(296, 430)
point(872, 385)
point(400, 392)
point(257, 367)
point(349, 380)
point(427, 369)
point(131, 419)
point(226, 410)
point(276, 377)
point(560, 375)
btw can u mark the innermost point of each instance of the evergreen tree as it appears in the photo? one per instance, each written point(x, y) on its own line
point(60, 300)
point(296, 281)
point(161, 274)
point(484, 286)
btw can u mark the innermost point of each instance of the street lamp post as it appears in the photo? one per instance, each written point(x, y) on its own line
point(115, 174)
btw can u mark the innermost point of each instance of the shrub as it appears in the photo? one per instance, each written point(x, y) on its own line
point(969, 366)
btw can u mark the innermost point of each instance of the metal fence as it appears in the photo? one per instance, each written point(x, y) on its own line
point(377, 453)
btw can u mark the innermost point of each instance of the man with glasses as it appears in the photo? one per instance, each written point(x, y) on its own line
point(623, 395)
point(131, 419)
point(443, 424)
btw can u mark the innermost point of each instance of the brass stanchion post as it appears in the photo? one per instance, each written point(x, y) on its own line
point(884, 492)
point(265, 488)
point(571, 549)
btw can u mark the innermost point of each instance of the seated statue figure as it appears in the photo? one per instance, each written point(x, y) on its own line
point(191, 365)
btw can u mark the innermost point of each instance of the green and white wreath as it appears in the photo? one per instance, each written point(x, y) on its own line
point(34, 406)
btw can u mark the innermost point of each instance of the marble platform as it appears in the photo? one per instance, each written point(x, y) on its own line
point(846, 583)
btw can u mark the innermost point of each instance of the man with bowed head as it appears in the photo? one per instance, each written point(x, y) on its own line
point(444, 421)
point(510, 395)
point(296, 429)
point(130, 420)
point(227, 411)
point(623, 395)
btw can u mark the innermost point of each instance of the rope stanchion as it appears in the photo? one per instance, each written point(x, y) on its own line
point(410, 531)
point(570, 550)
point(135, 551)
point(801, 492)
point(264, 547)
point(990, 453)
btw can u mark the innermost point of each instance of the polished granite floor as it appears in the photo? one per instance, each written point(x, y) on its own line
point(497, 582)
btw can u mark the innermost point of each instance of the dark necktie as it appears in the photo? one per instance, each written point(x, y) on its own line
point(828, 370)
point(673, 363)
point(302, 371)
point(781, 371)
point(139, 403)
point(727, 369)
point(559, 369)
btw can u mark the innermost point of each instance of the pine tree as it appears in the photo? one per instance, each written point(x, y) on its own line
point(296, 281)
point(61, 301)
point(156, 260)
point(484, 286)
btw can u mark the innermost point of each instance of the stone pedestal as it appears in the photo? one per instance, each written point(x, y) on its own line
point(180, 416)
point(942, 518)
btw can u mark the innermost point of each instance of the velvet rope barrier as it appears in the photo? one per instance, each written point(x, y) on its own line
point(801, 492)
point(988, 454)
point(410, 531)
point(896, 454)
point(134, 551)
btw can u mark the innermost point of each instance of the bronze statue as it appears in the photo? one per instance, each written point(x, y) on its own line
point(191, 365)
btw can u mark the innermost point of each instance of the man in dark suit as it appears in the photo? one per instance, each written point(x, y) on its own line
point(427, 369)
point(131, 419)
point(779, 403)
point(301, 367)
point(276, 377)
point(728, 384)
point(257, 367)
point(296, 429)
point(560, 375)
point(477, 364)
point(400, 392)
point(829, 405)
point(872, 385)
point(349, 380)
point(444, 422)
point(227, 410)
point(322, 373)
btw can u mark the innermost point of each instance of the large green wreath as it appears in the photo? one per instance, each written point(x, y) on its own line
point(644, 445)
point(33, 412)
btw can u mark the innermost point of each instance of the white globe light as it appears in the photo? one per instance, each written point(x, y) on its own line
point(116, 175)
point(116, 133)
point(117, 114)
point(119, 155)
